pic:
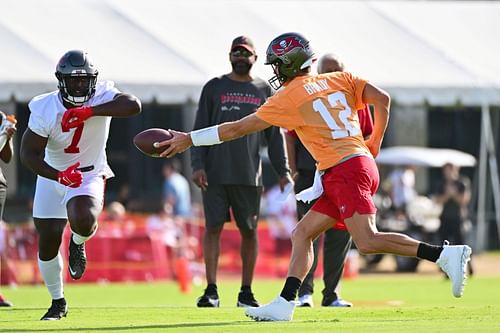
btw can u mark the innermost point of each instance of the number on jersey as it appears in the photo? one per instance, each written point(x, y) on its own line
point(337, 100)
point(73, 147)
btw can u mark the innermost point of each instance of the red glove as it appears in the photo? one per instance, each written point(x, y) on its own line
point(74, 117)
point(71, 177)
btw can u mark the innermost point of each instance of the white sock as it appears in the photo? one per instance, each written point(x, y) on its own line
point(52, 275)
point(79, 239)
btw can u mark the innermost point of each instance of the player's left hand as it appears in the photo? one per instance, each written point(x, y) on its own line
point(74, 117)
point(177, 144)
point(284, 180)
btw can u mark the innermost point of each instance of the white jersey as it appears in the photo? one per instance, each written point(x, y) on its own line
point(85, 144)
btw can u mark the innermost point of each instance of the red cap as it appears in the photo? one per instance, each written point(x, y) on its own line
point(243, 41)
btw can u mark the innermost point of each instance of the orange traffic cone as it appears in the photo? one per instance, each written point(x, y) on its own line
point(183, 274)
point(351, 266)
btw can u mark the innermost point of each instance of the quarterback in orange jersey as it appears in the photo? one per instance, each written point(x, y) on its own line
point(322, 111)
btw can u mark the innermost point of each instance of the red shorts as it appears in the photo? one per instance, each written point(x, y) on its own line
point(348, 188)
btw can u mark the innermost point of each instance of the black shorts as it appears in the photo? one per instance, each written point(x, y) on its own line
point(243, 200)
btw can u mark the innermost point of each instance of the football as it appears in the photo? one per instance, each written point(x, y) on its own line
point(144, 141)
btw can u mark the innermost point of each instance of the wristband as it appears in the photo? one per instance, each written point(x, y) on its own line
point(206, 136)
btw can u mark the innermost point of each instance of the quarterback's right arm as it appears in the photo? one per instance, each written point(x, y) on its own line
point(212, 135)
point(32, 152)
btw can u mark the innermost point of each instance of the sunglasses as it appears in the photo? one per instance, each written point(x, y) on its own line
point(241, 53)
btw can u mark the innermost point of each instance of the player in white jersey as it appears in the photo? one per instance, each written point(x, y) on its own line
point(64, 145)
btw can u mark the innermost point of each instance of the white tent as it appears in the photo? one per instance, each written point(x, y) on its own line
point(441, 52)
point(423, 156)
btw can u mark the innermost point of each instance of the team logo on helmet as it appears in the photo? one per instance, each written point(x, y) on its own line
point(286, 45)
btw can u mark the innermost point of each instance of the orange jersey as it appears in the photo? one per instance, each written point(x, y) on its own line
point(322, 110)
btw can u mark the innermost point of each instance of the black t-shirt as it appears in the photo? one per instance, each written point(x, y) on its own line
point(451, 209)
point(304, 159)
point(236, 162)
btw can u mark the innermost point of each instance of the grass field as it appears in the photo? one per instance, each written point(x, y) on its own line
point(383, 303)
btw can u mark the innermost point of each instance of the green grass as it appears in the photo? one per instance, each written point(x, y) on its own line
point(388, 303)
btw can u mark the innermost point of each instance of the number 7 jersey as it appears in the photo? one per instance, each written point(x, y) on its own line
point(85, 144)
point(322, 110)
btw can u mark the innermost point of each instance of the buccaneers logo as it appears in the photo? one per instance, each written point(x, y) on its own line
point(286, 45)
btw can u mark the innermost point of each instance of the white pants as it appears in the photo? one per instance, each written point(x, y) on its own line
point(51, 197)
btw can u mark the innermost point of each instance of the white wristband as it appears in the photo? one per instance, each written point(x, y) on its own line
point(206, 136)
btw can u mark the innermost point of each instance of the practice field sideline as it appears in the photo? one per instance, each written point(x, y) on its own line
point(383, 303)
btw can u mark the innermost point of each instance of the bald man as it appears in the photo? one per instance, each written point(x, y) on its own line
point(337, 240)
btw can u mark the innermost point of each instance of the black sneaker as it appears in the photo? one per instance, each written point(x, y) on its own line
point(77, 259)
point(208, 301)
point(57, 310)
point(246, 300)
point(5, 303)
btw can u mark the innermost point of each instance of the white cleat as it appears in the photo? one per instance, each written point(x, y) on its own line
point(453, 261)
point(340, 303)
point(305, 301)
point(278, 310)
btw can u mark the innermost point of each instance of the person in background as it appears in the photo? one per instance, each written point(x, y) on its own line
point(337, 240)
point(115, 222)
point(7, 131)
point(176, 191)
point(402, 184)
point(229, 175)
point(453, 193)
point(281, 219)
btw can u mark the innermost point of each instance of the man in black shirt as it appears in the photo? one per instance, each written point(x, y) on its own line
point(453, 193)
point(230, 174)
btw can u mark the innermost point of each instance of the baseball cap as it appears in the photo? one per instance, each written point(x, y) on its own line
point(243, 41)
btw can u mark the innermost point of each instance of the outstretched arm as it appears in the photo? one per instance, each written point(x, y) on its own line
point(212, 135)
point(122, 105)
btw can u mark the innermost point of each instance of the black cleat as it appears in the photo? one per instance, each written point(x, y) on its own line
point(57, 310)
point(5, 303)
point(77, 259)
point(208, 301)
point(246, 300)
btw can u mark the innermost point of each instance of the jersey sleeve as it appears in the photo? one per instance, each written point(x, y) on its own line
point(105, 92)
point(357, 85)
point(38, 124)
point(277, 114)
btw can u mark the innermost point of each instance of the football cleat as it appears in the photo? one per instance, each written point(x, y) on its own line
point(246, 299)
point(305, 301)
point(5, 303)
point(278, 310)
point(57, 310)
point(208, 301)
point(453, 261)
point(339, 303)
point(77, 259)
